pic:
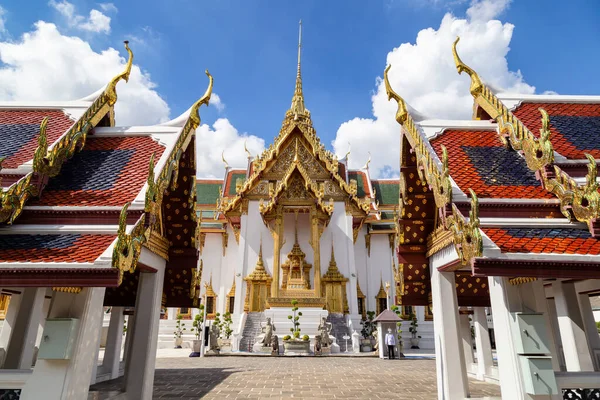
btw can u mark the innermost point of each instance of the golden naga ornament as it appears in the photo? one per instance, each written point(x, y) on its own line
point(467, 236)
point(538, 153)
point(438, 177)
point(128, 247)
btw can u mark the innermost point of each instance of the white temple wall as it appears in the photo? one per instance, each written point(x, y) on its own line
point(227, 271)
point(380, 269)
point(252, 238)
point(212, 257)
point(361, 262)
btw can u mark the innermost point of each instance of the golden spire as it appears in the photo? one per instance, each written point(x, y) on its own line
point(297, 107)
point(246, 148)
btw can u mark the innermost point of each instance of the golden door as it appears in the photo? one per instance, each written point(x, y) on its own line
point(259, 297)
point(333, 296)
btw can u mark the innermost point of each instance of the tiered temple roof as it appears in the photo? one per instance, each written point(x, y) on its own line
point(514, 190)
point(80, 197)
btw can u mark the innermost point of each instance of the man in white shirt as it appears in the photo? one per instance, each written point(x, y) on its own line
point(390, 341)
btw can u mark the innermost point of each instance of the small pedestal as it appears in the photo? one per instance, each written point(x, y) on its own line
point(296, 347)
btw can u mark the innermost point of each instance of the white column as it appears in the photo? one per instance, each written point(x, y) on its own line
point(467, 340)
point(114, 339)
point(590, 328)
point(572, 332)
point(449, 356)
point(70, 379)
point(128, 336)
point(541, 305)
point(8, 325)
point(19, 354)
point(482, 343)
point(171, 313)
point(505, 298)
point(141, 360)
point(94, 374)
point(553, 319)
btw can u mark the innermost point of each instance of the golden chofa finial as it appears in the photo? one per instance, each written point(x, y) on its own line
point(402, 112)
point(348, 153)
point(366, 166)
point(42, 149)
point(476, 84)
point(224, 160)
point(111, 89)
point(246, 149)
point(205, 99)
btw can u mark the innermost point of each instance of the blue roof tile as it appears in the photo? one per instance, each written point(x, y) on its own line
point(498, 166)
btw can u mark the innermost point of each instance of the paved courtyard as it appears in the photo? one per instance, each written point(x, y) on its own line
point(285, 377)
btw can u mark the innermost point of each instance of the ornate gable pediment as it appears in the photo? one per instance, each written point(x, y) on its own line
point(293, 147)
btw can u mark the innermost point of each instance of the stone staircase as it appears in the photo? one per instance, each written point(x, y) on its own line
point(339, 330)
point(251, 330)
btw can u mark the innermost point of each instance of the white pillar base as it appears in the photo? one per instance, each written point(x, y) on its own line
point(482, 343)
point(70, 379)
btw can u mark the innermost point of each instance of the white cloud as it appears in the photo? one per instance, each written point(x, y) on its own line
point(97, 22)
point(108, 7)
point(424, 74)
point(46, 65)
point(211, 141)
point(215, 100)
point(2, 20)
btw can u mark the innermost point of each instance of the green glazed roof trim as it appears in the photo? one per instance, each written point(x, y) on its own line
point(386, 193)
point(234, 178)
point(360, 183)
point(208, 193)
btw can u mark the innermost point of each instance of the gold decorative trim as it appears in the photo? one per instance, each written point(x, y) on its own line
point(437, 176)
point(521, 280)
point(74, 290)
point(158, 244)
point(583, 201)
point(195, 285)
point(438, 239)
point(467, 236)
point(225, 242)
point(129, 245)
point(368, 243)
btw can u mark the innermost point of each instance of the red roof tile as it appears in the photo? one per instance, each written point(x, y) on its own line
point(572, 143)
point(58, 124)
point(117, 181)
point(478, 160)
point(61, 248)
point(544, 240)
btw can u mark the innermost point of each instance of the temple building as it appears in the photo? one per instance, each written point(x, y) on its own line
point(510, 235)
point(93, 218)
point(297, 223)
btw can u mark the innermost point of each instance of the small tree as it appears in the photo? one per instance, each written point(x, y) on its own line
point(413, 326)
point(398, 312)
point(295, 318)
point(368, 326)
point(179, 327)
point(226, 325)
point(217, 321)
point(197, 323)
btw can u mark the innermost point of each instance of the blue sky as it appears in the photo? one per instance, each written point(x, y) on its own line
point(250, 48)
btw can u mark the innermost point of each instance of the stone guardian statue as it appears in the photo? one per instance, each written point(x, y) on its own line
point(324, 331)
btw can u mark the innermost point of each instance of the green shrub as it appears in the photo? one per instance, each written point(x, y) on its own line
point(305, 338)
point(287, 337)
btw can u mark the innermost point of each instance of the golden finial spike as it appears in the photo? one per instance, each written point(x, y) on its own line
point(111, 89)
point(368, 162)
point(246, 149)
point(476, 84)
point(224, 160)
point(402, 112)
point(298, 98)
point(332, 251)
point(205, 99)
point(296, 228)
point(348, 153)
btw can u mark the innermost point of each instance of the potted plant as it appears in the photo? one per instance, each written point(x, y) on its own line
point(368, 328)
point(179, 328)
point(225, 326)
point(414, 340)
point(295, 343)
point(197, 331)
